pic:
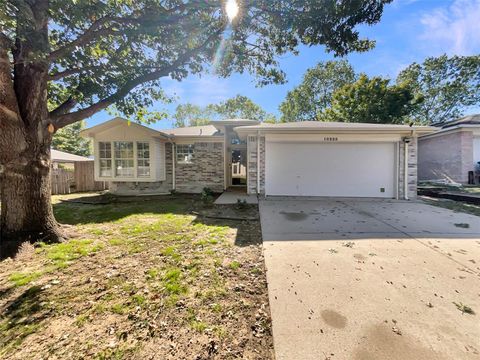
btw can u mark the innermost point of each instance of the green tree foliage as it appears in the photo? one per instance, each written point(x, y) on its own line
point(85, 56)
point(68, 139)
point(372, 101)
point(314, 94)
point(238, 107)
point(448, 84)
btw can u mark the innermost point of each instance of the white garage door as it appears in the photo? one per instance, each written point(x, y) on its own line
point(330, 169)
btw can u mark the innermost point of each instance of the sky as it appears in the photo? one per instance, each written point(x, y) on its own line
point(409, 31)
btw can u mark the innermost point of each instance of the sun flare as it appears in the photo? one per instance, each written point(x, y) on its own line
point(231, 8)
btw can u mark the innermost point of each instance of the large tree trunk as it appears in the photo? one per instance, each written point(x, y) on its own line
point(26, 133)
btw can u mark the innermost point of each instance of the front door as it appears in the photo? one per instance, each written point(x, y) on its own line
point(239, 167)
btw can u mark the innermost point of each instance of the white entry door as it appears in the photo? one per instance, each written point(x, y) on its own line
point(330, 169)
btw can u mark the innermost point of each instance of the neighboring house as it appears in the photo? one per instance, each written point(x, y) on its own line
point(451, 152)
point(293, 159)
point(61, 157)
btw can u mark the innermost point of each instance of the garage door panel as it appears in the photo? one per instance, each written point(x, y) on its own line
point(326, 169)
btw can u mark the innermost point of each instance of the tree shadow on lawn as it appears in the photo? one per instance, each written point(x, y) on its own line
point(21, 317)
point(108, 208)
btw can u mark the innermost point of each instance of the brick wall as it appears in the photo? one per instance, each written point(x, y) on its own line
point(206, 169)
point(252, 164)
point(448, 156)
point(412, 169)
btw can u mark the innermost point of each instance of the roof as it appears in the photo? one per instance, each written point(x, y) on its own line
point(204, 130)
point(61, 156)
point(332, 126)
point(466, 120)
point(238, 122)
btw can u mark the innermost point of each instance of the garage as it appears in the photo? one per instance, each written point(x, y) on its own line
point(343, 169)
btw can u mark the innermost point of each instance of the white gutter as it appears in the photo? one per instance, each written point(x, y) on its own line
point(258, 162)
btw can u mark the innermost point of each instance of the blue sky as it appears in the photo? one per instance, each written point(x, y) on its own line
point(410, 31)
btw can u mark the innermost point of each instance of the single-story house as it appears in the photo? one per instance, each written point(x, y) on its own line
point(451, 152)
point(308, 158)
point(62, 157)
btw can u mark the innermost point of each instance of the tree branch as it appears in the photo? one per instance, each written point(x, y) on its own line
point(60, 120)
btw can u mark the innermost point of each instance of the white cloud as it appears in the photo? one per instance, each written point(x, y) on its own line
point(453, 29)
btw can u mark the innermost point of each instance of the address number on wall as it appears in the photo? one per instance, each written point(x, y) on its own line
point(327, 138)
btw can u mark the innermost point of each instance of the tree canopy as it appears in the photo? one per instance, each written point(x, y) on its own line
point(238, 107)
point(314, 94)
point(448, 84)
point(68, 139)
point(372, 101)
point(101, 53)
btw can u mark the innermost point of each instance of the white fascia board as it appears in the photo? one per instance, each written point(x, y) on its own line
point(333, 137)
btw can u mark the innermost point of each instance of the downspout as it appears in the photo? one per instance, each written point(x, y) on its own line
point(258, 162)
point(405, 172)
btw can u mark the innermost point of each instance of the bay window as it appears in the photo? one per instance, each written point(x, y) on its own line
point(105, 158)
point(124, 159)
point(143, 159)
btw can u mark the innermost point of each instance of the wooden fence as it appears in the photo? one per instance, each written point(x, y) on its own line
point(81, 178)
point(84, 177)
point(62, 181)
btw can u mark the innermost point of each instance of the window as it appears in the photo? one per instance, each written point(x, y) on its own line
point(143, 159)
point(105, 157)
point(185, 153)
point(119, 159)
point(124, 159)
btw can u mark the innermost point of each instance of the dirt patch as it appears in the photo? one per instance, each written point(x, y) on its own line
point(144, 279)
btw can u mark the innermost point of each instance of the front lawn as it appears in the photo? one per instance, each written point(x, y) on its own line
point(140, 278)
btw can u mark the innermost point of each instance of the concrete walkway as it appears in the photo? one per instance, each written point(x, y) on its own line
point(370, 279)
point(231, 197)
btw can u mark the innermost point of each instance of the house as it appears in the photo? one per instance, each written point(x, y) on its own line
point(64, 158)
point(451, 152)
point(291, 159)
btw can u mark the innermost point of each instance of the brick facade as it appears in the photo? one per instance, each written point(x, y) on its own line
point(446, 156)
point(412, 169)
point(206, 170)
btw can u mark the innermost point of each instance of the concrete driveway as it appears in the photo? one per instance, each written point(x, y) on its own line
point(371, 279)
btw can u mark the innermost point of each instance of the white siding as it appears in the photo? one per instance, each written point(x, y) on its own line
point(123, 132)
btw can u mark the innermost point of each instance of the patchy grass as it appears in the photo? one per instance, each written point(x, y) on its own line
point(457, 206)
point(141, 277)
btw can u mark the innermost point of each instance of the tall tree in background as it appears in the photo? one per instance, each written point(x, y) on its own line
point(238, 107)
point(85, 56)
point(192, 115)
point(314, 94)
point(372, 101)
point(449, 85)
point(68, 139)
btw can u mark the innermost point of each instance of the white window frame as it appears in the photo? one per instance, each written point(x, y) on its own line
point(117, 158)
point(105, 158)
point(143, 159)
point(113, 161)
point(181, 153)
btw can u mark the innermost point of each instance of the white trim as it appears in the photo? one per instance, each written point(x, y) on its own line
point(332, 137)
point(258, 162)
